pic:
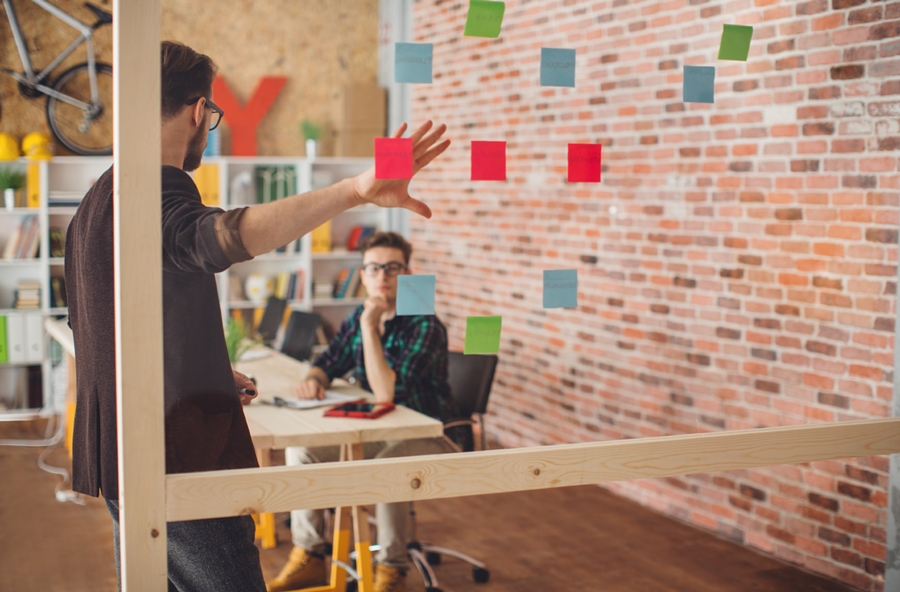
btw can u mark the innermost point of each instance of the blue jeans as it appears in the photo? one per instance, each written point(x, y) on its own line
point(215, 555)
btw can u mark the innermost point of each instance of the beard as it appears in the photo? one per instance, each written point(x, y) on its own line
point(195, 148)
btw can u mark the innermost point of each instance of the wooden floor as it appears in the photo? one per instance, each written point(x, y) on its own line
point(563, 539)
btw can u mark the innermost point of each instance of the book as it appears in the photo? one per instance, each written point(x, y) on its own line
point(321, 238)
point(4, 354)
point(340, 283)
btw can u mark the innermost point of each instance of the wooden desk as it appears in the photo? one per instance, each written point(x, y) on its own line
point(275, 428)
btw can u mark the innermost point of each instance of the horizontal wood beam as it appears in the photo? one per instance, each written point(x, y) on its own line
point(279, 489)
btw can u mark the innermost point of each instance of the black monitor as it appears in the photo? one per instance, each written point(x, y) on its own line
point(301, 335)
point(271, 319)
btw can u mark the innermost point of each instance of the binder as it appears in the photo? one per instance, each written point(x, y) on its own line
point(34, 339)
point(4, 354)
point(15, 338)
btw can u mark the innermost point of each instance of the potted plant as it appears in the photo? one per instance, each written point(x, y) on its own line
point(12, 180)
point(237, 339)
point(311, 133)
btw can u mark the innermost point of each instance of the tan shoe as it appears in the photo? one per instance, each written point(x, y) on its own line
point(303, 570)
point(389, 579)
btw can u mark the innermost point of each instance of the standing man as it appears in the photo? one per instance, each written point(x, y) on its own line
point(205, 425)
point(400, 359)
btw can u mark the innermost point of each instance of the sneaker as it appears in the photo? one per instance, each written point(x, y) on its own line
point(389, 579)
point(303, 570)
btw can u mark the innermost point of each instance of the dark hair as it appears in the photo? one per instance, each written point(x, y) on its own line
point(185, 74)
point(391, 240)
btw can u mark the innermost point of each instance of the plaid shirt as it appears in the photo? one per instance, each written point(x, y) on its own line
point(415, 348)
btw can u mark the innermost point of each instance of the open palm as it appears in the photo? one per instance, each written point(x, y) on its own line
point(394, 193)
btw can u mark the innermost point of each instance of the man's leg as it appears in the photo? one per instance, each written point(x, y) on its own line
point(216, 555)
point(394, 521)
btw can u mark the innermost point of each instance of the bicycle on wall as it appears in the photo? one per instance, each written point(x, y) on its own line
point(79, 101)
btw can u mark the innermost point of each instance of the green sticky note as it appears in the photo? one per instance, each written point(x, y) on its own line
point(735, 44)
point(482, 335)
point(484, 19)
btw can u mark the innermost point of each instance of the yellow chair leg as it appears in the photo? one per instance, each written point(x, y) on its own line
point(265, 530)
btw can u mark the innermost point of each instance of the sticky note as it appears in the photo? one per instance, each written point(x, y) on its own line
point(393, 158)
point(557, 67)
point(699, 84)
point(488, 161)
point(415, 295)
point(482, 335)
point(412, 62)
point(584, 163)
point(735, 43)
point(560, 288)
point(484, 19)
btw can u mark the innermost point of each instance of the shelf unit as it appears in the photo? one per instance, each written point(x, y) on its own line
point(72, 177)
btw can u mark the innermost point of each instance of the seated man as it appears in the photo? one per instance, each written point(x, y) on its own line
point(401, 359)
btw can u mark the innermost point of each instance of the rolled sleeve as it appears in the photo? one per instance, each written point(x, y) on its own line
point(228, 235)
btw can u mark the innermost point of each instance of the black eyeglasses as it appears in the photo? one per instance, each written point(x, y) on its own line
point(390, 269)
point(217, 115)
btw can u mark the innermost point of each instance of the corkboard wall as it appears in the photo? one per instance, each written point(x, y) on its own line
point(319, 45)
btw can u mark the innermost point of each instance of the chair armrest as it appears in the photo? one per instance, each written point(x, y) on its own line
point(458, 422)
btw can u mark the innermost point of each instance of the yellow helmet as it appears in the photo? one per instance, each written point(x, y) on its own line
point(9, 148)
point(36, 146)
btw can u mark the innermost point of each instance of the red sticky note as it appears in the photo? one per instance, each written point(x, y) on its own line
point(488, 161)
point(393, 158)
point(584, 163)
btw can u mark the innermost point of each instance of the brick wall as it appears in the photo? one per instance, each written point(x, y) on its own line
point(737, 264)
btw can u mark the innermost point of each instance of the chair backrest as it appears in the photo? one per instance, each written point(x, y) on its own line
point(271, 319)
point(301, 335)
point(470, 379)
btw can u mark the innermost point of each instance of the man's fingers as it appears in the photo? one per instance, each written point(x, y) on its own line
point(428, 141)
point(421, 131)
point(417, 207)
point(426, 158)
point(400, 131)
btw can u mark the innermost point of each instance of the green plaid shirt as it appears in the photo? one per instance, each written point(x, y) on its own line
point(415, 348)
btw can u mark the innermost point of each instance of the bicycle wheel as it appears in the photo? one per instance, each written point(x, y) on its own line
point(83, 132)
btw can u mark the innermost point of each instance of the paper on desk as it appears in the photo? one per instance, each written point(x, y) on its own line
point(331, 398)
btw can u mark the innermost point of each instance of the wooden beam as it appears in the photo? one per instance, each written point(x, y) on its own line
point(138, 294)
point(279, 489)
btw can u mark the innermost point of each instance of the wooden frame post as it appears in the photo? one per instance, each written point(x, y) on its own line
point(138, 294)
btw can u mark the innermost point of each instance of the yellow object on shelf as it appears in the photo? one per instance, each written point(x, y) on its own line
point(207, 179)
point(33, 186)
point(321, 238)
point(9, 148)
point(36, 146)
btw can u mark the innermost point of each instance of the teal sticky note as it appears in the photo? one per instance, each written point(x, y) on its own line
point(484, 19)
point(699, 84)
point(560, 288)
point(412, 62)
point(557, 67)
point(735, 43)
point(482, 335)
point(415, 295)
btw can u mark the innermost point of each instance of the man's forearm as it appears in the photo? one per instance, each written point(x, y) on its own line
point(266, 227)
point(379, 374)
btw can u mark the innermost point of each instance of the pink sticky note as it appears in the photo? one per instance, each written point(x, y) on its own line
point(393, 158)
point(584, 163)
point(488, 161)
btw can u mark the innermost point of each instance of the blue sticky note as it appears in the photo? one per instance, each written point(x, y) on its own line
point(412, 62)
point(415, 295)
point(699, 84)
point(557, 67)
point(560, 288)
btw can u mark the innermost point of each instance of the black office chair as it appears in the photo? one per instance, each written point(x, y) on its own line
point(470, 379)
point(301, 335)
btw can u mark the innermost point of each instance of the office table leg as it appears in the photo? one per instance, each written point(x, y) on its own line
point(265, 523)
point(361, 532)
point(340, 547)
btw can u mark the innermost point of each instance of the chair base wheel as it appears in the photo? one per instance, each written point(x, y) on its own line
point(433, 590)
point(433, 558)
point(480, 575)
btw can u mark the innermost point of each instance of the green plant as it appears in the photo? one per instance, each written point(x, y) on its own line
point(237, 339)
point(310, 130)
point(11, 178)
